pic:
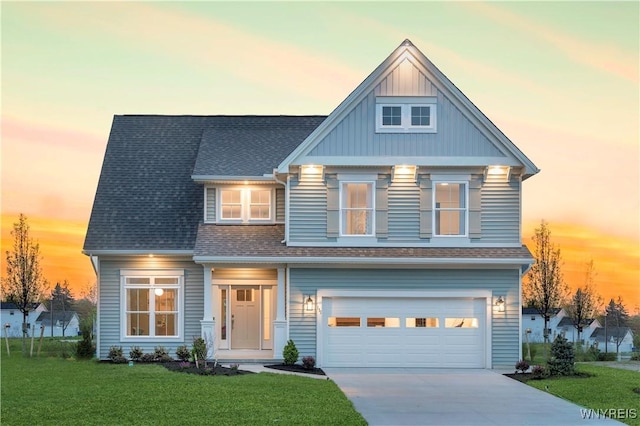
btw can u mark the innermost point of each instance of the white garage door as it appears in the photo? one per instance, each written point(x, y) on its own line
point(403, 332)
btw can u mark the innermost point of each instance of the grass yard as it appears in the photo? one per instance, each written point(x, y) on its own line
point(608, 388)
point(49, 390)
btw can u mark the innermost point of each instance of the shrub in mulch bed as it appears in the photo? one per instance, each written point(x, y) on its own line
point(297, 368)
point(525, 377)
point(209, 370)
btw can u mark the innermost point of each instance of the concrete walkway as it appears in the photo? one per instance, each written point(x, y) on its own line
point(453, 397)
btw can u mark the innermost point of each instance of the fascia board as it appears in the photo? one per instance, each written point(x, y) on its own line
point(365, 261)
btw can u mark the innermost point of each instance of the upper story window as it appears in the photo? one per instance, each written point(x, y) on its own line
point(245, 205)
point(152, 305)
point(406, 114)
point(356, 209)
point(451, 211)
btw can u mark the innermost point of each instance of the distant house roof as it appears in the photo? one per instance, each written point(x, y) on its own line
point(534, 311)
point(226, 241)
point(45, 318)
point(147, 199)
point(13, 306)
point(610, 332)
point(566, 321)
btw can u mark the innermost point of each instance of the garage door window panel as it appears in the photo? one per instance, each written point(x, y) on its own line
point(422, 322)
point(392, 322)
point(343, 322)
point(461, 322)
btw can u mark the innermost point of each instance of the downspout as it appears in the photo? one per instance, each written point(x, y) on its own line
point(286, 205)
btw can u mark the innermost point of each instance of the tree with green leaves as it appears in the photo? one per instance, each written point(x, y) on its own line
point(615, 320)
point(545, 288)
point(585, 303)
point(24, 282)
point(61, 301)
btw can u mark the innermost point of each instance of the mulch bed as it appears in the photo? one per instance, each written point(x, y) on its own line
point(525, 377)
point(209, 370)
point(297, 368)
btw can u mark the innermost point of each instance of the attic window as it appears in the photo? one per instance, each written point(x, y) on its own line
point(406, 114)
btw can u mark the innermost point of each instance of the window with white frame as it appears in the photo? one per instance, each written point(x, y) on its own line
point(406, 114)
point(245, 205)
point(152, 305)
point(450, 208)
point(356, 208)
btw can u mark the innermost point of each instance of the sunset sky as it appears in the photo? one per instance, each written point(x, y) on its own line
point(560, 79)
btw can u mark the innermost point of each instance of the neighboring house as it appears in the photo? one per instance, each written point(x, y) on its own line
point(605, 339)
point(566, 328)
point(58, 324)
point(385, 234)
point(11, 316)
point(533, 321)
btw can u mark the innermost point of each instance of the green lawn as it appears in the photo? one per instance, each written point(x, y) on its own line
point(608, 388)
point(50, 390)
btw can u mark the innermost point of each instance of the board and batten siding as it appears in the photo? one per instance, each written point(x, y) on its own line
point(503, 282)
point(110, 312)
point(456, 136)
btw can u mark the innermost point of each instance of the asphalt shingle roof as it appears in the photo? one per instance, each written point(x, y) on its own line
point(265, 241)
point(146, 198)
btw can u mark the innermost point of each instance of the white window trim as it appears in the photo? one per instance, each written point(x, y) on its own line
point(406, 103)
point(373, 209)
point(436, 236)
point(128, 273)
point(245, 201)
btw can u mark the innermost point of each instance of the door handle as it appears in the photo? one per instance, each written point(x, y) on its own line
point(232, 321)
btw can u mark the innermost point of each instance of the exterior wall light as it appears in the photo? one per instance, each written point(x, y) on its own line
point(500, 304)
point(404, 173)
point(309, 304)
point(311, 172)
point(497, 173)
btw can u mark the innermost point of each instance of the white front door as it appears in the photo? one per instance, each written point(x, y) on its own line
point(245, 317)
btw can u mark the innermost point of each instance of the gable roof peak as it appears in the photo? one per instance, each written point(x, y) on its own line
point(407, 43)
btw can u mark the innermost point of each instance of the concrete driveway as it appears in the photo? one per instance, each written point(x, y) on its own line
point(452, 397)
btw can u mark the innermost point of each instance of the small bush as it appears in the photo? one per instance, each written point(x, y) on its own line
point(522, 366)
point(85, 349)
point(183, 353)
point(538, 372)
point(290, 353)
point(199, 348)
point(635, 356)
point(147, 358)
point(562, 359)
point(308, 362)
point(115, 352)
point(135, 353)
point(607, 356)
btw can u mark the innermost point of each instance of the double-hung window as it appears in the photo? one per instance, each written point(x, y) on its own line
point(245, 205)
point(357, 209)
point(450, 208)
point(406, 114)
point(152, 304)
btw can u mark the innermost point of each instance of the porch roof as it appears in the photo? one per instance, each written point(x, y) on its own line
point(218, 243)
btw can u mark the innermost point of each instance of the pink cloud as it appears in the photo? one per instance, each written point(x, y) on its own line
point(14, 129)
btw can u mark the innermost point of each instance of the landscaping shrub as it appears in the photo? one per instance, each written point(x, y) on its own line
point(635, 356)
point(607, 356)
point(591, 354)
point(290, 353)
point(522, 366)
point(538, 372)
point(135, 353)
point(308, 362)
point(183, 353)
point(160, 354)
point(562, 359)
point(147, 358)
point(199, 348)
point(85, 349)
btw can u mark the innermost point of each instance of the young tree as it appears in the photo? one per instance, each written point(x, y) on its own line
point(585, 302)
point(24, 282)
point(615, 316)
point(61, 302)
point(545, 289)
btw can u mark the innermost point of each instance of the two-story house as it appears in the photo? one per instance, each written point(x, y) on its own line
point(385, 234)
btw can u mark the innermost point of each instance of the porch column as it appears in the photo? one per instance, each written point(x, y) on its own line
point(207, 323)
point(280, 323)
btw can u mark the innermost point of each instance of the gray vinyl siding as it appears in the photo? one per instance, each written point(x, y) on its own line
point(110, 314)
point(210, 209)
point(404, 212)
point(456, 136)
point(500, 215)
point(505, 282)
point(280, 205)
point(307, 211)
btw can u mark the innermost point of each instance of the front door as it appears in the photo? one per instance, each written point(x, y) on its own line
point(245, 317)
